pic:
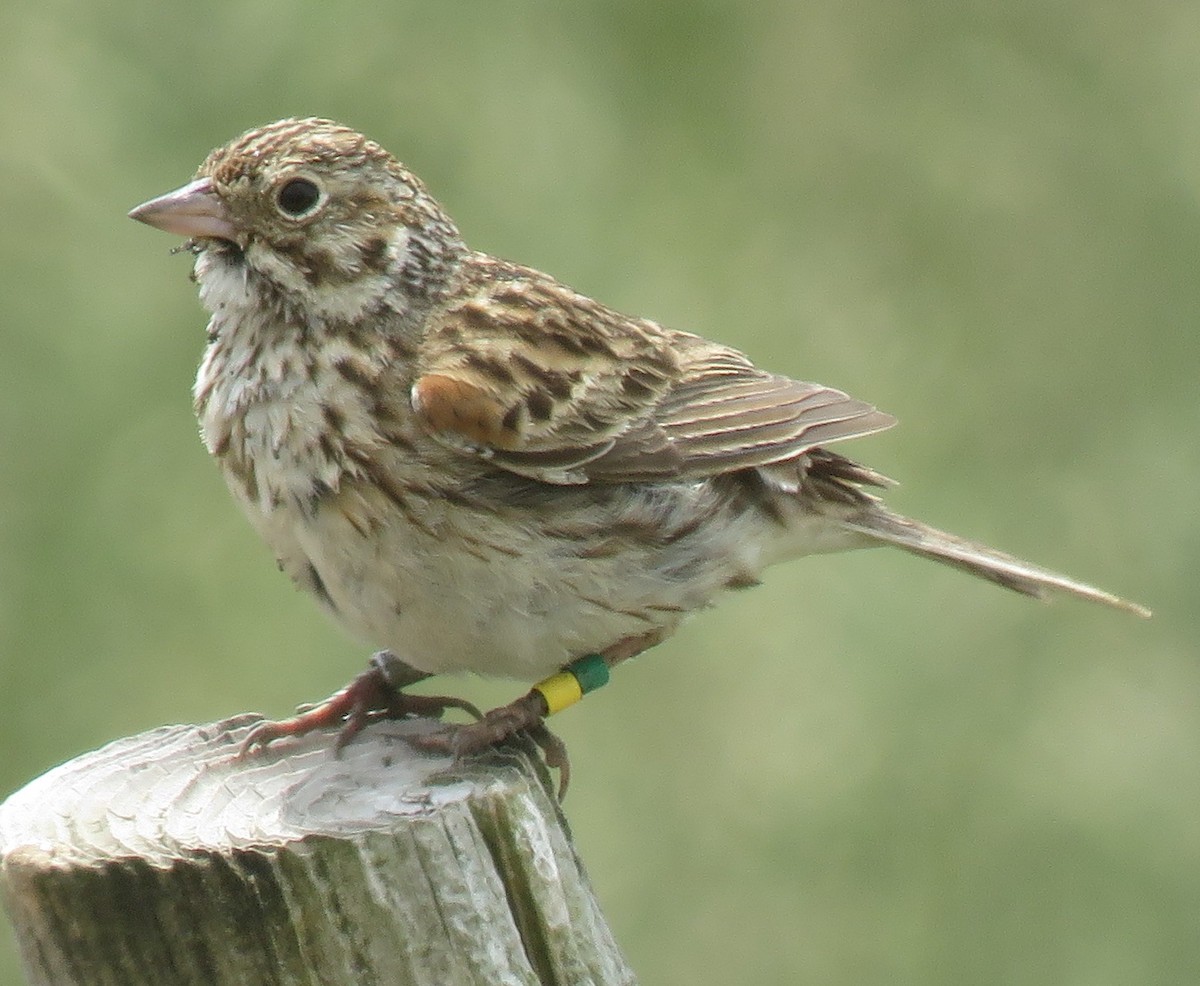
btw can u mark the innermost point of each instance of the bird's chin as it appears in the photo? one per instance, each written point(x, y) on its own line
point(226, 250)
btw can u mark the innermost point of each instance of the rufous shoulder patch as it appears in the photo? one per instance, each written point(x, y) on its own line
point(449, 405)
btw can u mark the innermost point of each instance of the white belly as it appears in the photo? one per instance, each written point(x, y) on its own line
point(474, 591)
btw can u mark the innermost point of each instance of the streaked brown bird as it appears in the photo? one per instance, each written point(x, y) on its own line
point(477, 468)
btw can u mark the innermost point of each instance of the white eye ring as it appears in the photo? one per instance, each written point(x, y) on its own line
point(298, 197)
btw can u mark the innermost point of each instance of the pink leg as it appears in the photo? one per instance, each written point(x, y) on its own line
point(377, 693)
point(527, 713)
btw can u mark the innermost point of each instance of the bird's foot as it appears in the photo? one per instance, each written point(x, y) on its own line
point(377, 693)
point(527, 714)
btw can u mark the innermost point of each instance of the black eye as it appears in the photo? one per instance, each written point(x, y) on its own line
point(297, 197)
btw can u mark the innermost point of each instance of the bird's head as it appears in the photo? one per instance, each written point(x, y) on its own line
point(315, 214)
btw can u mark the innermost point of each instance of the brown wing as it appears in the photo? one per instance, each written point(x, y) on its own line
point(548, 384)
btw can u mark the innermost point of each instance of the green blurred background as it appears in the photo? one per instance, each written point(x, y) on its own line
point(982, 217)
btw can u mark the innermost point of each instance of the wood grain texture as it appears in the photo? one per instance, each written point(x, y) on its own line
point(163, 859)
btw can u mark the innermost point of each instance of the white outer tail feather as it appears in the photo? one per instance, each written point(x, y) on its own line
point(885, 527)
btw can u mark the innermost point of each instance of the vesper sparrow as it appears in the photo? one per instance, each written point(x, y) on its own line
point(480, 469)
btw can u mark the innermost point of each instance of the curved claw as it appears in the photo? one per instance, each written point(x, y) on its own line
point(369, 696)
point(526, 714)
point(554, 752)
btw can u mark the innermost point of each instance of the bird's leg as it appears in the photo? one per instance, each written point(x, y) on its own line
point(377, 693)
point(529, 712)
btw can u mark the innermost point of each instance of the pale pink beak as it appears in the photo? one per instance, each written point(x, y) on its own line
point(192, 211)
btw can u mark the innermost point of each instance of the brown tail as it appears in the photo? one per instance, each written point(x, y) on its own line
point(988, 563)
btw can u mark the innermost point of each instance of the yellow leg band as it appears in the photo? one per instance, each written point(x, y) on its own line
point(560, 691)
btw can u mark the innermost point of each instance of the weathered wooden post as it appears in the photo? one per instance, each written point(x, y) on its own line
point(162, 859)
